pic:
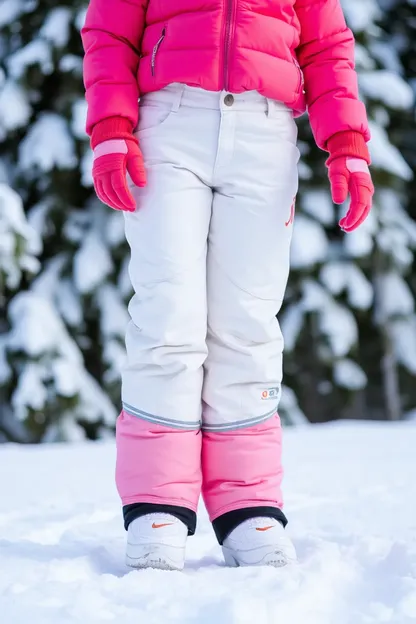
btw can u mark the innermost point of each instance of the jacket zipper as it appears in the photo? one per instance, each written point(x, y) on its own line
point(227, 39)
point(156, 48)
point(301, 76)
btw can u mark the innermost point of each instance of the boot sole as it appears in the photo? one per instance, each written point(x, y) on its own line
point(256, 557)
point(147, 556)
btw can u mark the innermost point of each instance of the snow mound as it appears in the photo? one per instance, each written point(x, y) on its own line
point(350, 494)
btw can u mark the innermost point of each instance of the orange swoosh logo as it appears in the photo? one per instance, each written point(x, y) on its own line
point(264, 528)
point(159, 526)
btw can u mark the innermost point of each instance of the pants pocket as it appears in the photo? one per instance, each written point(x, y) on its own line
point(152, 117)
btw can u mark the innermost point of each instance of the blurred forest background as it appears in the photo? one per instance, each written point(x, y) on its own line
point(349, 317)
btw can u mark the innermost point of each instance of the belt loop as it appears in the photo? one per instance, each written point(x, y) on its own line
point(176, 104)
point(271, 108)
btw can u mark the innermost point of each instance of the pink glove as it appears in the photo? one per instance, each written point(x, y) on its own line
point(348, 172)
point(116, 153)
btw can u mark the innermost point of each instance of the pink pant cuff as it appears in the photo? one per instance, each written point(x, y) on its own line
point(157, 464)
point(242, 468)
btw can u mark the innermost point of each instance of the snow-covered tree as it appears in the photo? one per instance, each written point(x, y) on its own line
point(349, 319)
point(19, 247)
point(65, 369)
point(399, 20)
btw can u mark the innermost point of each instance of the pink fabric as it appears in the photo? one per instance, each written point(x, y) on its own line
point(157, 464)
point(351, 175)
point(113, 146)
point(357, 165)
point(297, 52)
point(242, 468)
point(113, 159)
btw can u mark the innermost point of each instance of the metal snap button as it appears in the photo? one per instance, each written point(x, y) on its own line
point(229, 99)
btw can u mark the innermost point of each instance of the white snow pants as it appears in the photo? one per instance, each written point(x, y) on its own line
point(209, 258)
point(209, 264)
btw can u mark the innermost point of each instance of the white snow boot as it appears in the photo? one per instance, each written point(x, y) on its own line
point(156, 541)
point(259, 542)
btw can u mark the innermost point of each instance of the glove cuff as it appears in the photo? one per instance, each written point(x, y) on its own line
point(111, 128)
point(348, 143)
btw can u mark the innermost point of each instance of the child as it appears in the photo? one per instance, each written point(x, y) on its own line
point(205, 170)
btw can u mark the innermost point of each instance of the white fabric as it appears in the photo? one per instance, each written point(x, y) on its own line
point(209, 257)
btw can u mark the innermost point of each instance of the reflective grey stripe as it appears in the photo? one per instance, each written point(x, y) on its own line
point(240, 424)
point(160, 420)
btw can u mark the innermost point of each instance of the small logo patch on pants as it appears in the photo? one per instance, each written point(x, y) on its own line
point(270, 393)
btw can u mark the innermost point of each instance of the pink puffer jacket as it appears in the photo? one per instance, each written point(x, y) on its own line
point(300, 53)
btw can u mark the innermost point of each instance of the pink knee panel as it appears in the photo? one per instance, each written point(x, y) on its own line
point(242, 468)
point(157, 464)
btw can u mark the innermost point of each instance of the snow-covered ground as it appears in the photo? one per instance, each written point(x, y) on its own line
point(350, 496)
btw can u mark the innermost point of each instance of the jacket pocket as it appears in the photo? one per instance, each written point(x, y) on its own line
point(156, 50)
point(301, 81)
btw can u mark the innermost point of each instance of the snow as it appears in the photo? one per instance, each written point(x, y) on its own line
point(86, 169)
point(363, 60)
point(80, 18)
point(291, 323)
point(15, 110)
point(37, 52)
point(124, 282)
point(340, 276)
point(114, 355)
point(10, 10)
point(79, 118)
point(5, 370)
point(359, 243)
point(361, 14)
point(336, 322)
point(114, 315)
point(71, 63)
point(309, 243)
point(394, 241)
point(385, 156)
point(48, 144)
point(318, 204)
point(56, 26)
point(92, 263)
point(314, 296)
point(394, 297)
point(360, 291)
point(352, 522)
point(397, 238)
point(69, 304)
point(339, 325)
point(386, 87)
point(289, 404)
point(76, 225)
point(48, 281)
point(349, 374)
point(31, 391)
point(19, 242)
point(37, 329)
point(404, 334)
point(387, 56)
point(115, 229)
point(51, 357)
